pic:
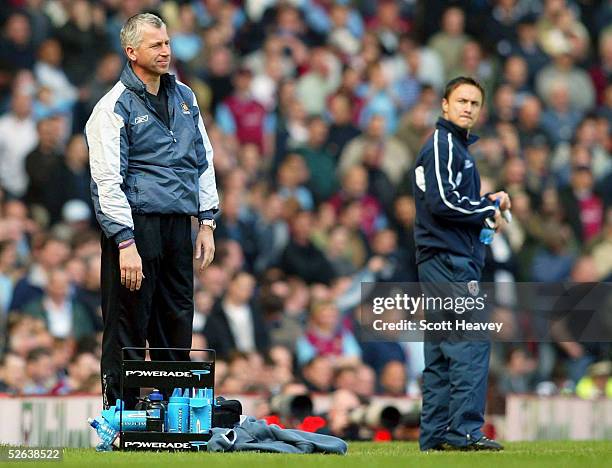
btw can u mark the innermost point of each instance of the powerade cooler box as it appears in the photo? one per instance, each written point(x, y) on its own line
point(167, 375)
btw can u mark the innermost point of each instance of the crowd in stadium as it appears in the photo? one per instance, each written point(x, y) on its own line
point(316, 110)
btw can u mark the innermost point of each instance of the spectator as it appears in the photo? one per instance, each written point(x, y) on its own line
point(301, 257)
point(12, 374)
point(8, 257)
point(235, 224)
point(393, 379)
point(234, 323)
point(272, 233)
point(601, 72)
point(341, 130)
point(560, 120)
point(527, 46)
point(449, 42)
point(81, 368)
point(584, 209)
point(519, 373)
point(529, 124)
point(48, 253)
point(292, 176)
point(71, 179)
point(320, 162)
point(64, 317)
point(412, 67)
point(49, 74)
point(578, 82)
point(83, 39)
point(16, 45)
point(18, 137)
point(318, 374)
point(319, 82)
point(325, 336)
point(390, 155)
point(355, 190)
point(516, 75)
point(218, 76)
point(40, 372)
point(378, 99)
point(241, 116)
point(43, 161)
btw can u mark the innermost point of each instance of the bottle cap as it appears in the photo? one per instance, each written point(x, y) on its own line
point(156, 396)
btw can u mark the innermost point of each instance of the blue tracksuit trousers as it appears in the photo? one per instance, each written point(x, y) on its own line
point(455, 375)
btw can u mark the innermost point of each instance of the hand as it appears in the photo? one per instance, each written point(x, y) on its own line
point(130, 265)
point(573, 349)
point(498, 220)
point(205, 242)
point(376, 264)
point(504, 200)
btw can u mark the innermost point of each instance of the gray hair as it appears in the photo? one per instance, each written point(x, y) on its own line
point(131, 32)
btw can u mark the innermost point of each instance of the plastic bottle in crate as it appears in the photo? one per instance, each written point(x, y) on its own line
point(156, 412)
point(177, 417)
point(200, 410)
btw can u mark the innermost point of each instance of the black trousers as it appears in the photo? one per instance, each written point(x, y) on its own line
point(161, 312)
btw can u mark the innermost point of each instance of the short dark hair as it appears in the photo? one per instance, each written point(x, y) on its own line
point(461, 80)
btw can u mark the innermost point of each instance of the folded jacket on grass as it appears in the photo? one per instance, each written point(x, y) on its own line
point(257, 435)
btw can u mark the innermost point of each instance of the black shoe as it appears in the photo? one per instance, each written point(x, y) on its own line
point(443, 447)
point(437, 448)
point(484, 443)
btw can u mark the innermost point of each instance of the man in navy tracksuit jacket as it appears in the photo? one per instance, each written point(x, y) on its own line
point(151, 170)
point(450, 213)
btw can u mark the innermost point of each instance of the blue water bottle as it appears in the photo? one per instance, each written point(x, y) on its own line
point(488, 231)
point(133, 420)
point(177, 419)
point(200, 410)
point(106, 433)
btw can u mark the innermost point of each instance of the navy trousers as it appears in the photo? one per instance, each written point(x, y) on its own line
point(455, 375)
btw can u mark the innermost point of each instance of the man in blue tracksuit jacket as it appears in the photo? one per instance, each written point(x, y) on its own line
point(152, 170)
point(450, 213)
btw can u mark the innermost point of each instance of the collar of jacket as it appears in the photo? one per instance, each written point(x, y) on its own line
point(460, 133)
point(133, 83)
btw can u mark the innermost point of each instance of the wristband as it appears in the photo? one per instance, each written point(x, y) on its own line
point(127, 243)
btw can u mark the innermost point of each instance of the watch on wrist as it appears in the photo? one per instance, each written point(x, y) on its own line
point(211, 223)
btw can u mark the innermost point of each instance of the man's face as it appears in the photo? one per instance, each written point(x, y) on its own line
point(463, 106)
point(153, 53)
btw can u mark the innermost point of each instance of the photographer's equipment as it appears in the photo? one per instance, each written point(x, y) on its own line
point(292, 406)
point(377, 416)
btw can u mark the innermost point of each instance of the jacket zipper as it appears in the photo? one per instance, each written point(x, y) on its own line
point(151, 109)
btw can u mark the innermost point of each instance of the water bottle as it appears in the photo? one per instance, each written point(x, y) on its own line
point(156, 412)
point(105, 432)
point(133, 420)
point(177, 417)
point(488, 231)
point(200, 410)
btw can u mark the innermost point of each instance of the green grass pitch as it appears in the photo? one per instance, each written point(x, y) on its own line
point(361, 454)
